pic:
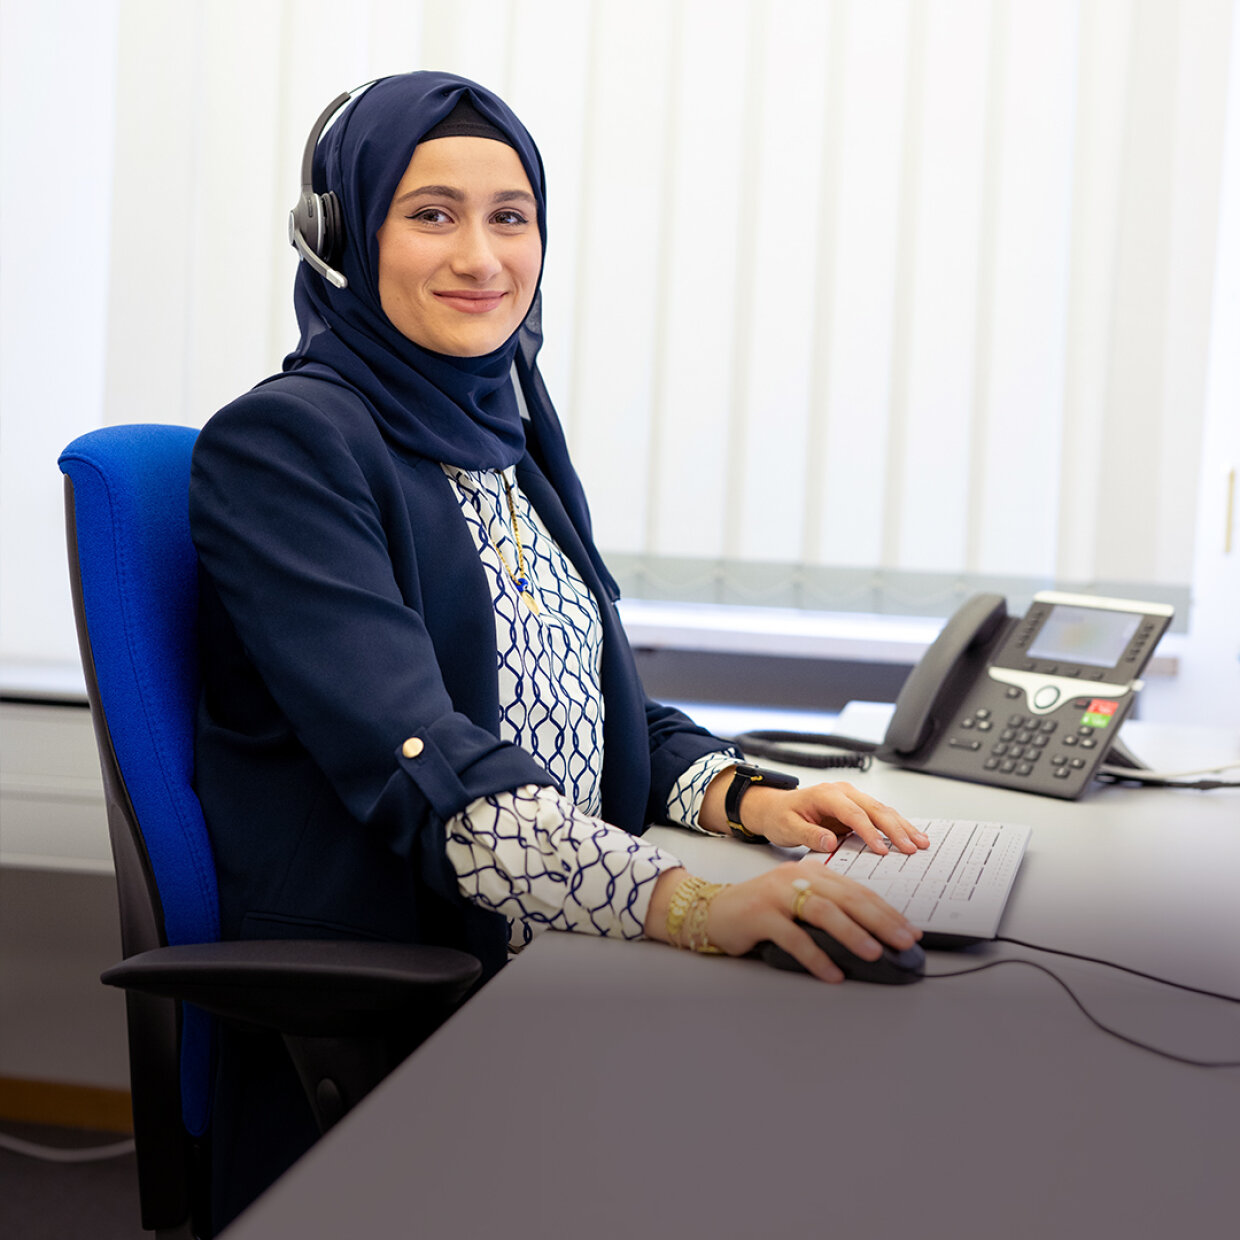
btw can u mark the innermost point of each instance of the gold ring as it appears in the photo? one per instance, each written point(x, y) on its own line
point(804, 890)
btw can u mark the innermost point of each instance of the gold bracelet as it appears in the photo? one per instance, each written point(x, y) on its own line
point(680, 903)
point(697, 940)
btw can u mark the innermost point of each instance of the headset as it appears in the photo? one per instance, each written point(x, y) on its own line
point(315, 224)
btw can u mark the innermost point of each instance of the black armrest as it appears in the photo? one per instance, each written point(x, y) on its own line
point(304, 987)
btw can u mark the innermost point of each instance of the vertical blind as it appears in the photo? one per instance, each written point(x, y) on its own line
point(849, 303)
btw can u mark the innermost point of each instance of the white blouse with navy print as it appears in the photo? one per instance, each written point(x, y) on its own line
point(541, 858)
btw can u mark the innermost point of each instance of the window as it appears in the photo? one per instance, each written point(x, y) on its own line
point(849, 306)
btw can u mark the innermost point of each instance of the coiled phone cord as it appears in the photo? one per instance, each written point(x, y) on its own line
point(806, 749)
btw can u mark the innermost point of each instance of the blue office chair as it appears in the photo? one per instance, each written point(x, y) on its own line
point(347, 1011)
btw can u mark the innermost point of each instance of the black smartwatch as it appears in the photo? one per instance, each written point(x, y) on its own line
point(743, 778)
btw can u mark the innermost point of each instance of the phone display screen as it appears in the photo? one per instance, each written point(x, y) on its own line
point(1084, 635)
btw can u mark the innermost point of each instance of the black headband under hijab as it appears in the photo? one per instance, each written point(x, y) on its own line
point(465, 121)
point(457, 410)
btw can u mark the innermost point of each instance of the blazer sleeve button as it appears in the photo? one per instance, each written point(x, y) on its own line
point(412, 747)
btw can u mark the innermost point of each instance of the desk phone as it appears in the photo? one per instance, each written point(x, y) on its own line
point(1033, 703)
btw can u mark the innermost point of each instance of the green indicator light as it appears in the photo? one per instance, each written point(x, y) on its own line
point(1093, 720)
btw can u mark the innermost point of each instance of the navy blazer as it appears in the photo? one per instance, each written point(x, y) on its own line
point(344, 610)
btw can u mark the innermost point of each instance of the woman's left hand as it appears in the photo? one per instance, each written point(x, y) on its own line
point(817, 816)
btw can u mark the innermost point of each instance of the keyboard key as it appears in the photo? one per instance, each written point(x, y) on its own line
point(865, 865)
point(966, 872)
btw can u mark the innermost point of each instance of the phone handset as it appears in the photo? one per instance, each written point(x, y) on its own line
point(973, 624)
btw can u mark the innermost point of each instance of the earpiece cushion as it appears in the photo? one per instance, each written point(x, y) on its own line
point(333, 227)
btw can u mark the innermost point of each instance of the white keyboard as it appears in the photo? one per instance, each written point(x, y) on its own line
point(959, 885)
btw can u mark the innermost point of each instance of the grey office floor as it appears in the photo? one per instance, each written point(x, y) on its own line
point(60, 1201)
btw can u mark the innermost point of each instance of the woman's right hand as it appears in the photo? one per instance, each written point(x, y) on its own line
point(743, 915)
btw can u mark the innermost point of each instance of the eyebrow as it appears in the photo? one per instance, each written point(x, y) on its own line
point(456, 195)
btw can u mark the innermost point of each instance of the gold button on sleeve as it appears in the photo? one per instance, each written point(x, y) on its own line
point(412, 747)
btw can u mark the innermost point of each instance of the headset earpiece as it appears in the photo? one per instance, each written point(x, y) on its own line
point(333, 227)
point(309, 231)
point(310, 217)
point(315, 224)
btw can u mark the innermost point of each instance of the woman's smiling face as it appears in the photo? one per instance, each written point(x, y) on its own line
point(460, 251)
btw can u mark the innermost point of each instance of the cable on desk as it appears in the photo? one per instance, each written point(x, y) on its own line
point(1157, 779)
point(1123, 968)
point(54, 1153)
point(1093, 1020)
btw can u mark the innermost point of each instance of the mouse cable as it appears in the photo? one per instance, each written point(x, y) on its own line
point(1123, 968)
point(1089, 1016)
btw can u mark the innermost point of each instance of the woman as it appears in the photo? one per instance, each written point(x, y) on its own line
point(421, 719)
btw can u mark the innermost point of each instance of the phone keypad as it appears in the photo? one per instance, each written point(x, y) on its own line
point(1031, 750)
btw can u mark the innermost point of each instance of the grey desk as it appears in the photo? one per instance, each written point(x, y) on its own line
point(603, 1089)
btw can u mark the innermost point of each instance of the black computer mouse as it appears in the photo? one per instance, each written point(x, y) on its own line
point(892, 968)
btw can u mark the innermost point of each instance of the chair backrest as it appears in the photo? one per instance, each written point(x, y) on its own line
point(135, 585)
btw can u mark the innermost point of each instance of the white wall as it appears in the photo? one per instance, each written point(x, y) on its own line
point(57, 99)
point(1208, 687)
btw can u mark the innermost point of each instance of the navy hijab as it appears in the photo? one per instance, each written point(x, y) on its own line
point(458, 410)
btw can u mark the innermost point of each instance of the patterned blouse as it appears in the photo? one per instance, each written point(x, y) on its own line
point(541, 858)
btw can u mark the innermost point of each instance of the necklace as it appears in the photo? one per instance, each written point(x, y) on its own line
point(520, 578)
